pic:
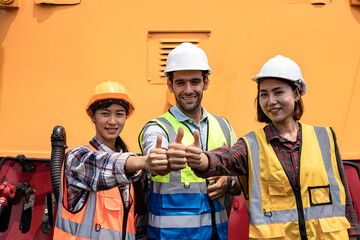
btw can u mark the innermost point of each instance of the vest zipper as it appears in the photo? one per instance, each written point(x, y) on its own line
point(126, 213)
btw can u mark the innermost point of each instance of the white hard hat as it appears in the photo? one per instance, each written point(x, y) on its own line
point(282, 67)
point(187, 56)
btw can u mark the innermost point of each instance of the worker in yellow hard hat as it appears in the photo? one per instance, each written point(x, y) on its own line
point(104, 189)
point(292, 173)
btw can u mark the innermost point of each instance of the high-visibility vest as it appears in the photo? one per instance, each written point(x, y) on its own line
point(101, 217)
point(179, 207)
point(315, 209)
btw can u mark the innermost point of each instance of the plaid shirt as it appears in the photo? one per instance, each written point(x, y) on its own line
point(87, 171)
point(234, 161)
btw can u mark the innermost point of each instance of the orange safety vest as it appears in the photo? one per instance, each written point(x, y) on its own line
point(101, 217)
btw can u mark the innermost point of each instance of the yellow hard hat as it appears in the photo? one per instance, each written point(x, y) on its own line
point(111, 90)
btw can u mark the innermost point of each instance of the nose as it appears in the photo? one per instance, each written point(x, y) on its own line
point(272, 99)
point(188, 88)
point(112, 119)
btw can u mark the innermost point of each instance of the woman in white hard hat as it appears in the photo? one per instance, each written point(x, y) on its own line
point(291, 173)
point(103, 188)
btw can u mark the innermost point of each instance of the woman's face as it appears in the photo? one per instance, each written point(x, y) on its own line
point(109, 123)
point(277, 100)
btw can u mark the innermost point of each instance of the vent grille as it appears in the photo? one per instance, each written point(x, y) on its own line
point(165, 48)
point(161, 42)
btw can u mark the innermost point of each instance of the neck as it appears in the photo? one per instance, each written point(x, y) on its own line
point(195, 114)
point(287, 130)
point(110, 144)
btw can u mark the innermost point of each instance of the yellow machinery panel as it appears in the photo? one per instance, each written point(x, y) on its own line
point(52, 55)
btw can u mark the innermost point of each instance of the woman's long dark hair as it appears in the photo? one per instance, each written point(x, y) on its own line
point(119, 143)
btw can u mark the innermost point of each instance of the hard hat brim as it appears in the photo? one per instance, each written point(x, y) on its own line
point(103, 96)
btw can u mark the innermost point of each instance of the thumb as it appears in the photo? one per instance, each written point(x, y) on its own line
point(158, 141)
point(196, 139)
point(179, 135)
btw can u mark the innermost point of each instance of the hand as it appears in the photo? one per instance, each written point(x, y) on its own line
point(219, 187)
point(176, 152)
point(157, 159)
point(193, 152)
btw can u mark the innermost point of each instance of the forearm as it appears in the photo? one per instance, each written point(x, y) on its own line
point(135, 163)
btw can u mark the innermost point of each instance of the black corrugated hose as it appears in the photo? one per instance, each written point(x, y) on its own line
point(58, 146)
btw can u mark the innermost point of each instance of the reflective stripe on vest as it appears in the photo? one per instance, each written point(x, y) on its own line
point(189, 221)
point(317, 143)
point(178, 201)
point(81, 225)
point(169, 184)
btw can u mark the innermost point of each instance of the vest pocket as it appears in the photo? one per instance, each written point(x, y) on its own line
point(334, 228)
point(278, 199)
point(181, 201)
point(109, 212)
point(319, 195)
point(273, 231)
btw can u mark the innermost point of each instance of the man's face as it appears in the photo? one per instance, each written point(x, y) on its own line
point(188, 87)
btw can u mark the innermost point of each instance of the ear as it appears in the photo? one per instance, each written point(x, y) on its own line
point(297, 95)
point(206, 83)
point(169, 84)
point(92, 117)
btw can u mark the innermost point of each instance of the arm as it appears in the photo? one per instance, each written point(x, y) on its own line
point(349, 208)
point(175, 152)
point(151, 131)
point(224, 184)
point(155, 161)
point(224, 161)
point(99, 170)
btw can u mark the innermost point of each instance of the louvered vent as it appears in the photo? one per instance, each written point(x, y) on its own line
point(161, 42)
point(165, 48)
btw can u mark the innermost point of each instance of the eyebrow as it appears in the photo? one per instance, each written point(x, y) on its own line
point(275, 89)
point(193, 79)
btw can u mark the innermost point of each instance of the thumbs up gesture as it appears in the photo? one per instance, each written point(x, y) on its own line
point(157, 159)
point(193, 152)
point(176, 152)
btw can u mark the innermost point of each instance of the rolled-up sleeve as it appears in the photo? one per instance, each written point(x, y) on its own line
point(99, 170)
point(151, 131)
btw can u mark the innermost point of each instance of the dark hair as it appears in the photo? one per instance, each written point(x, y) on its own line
point(170, 75)
point(103, 104)
point(298, 108)
point(121, 145)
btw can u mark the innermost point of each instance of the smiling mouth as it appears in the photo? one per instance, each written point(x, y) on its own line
point(273, 110)
point(190, 98)
point(111, 130)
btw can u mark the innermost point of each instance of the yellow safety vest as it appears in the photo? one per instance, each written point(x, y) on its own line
point(278, 210)
point(179, 205)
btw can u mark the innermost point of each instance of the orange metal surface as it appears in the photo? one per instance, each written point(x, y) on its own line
point(53, 55)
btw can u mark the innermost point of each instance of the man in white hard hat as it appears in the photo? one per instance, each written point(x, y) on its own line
point(183, 206)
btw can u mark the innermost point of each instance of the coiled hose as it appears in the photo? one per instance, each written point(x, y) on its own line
point(58, 146)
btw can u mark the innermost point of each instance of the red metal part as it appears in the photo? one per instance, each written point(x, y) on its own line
point(238, 220)
point(7, 192)
point(39, 181)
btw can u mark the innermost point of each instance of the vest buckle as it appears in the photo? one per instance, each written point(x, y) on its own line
point(97, 227)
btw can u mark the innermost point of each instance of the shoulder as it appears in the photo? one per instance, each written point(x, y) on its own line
point(77, 153)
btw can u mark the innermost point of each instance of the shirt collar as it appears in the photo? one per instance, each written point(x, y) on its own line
point(181, 117)
point(98, 145)
point(271, 133)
